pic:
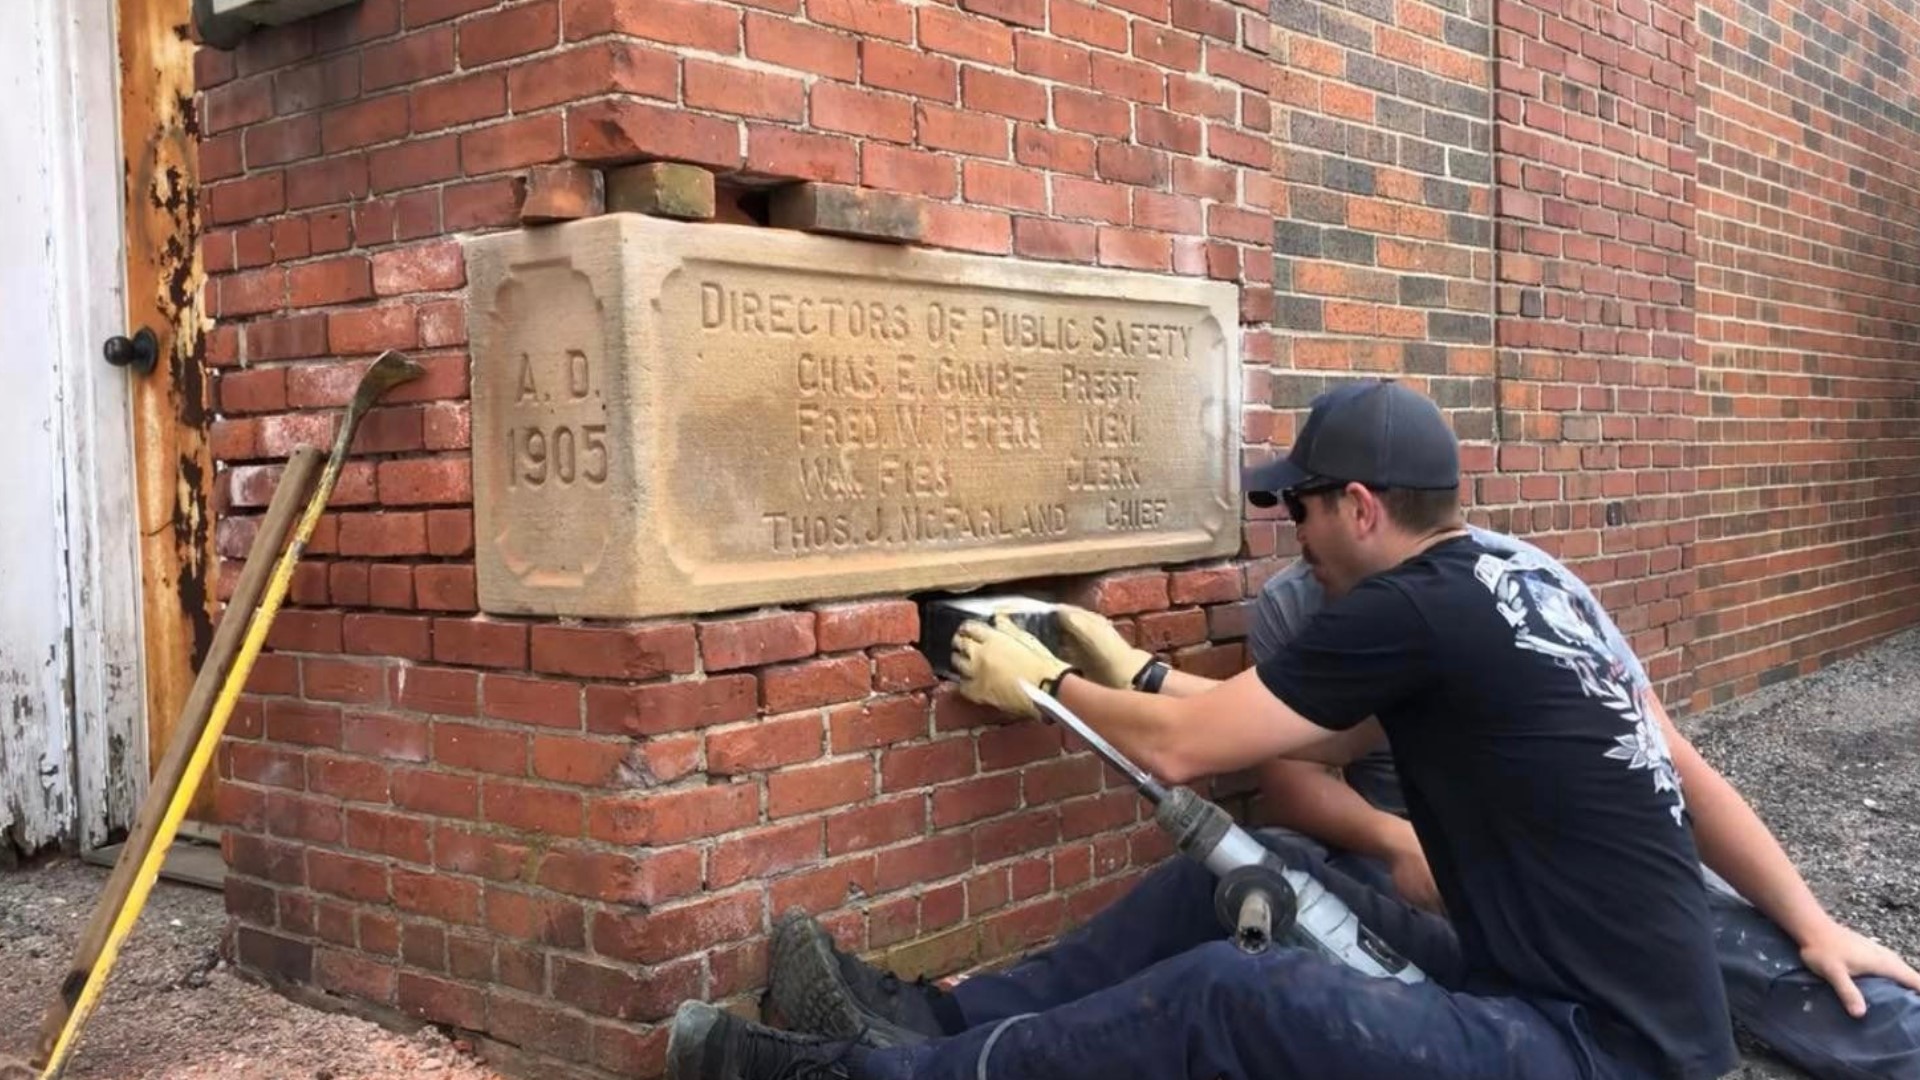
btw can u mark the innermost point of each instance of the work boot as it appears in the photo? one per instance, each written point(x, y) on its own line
point(710, 1043)
point(819, 989)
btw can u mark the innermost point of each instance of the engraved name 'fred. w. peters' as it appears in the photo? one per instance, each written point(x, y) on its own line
point(674, 418)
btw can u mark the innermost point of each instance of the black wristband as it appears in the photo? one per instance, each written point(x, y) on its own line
point(1150, 677)
point(1052, 686)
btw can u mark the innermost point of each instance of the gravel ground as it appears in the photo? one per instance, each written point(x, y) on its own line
point(1831, 762)
point(173, 1009)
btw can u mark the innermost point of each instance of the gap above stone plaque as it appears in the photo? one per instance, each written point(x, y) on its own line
point(673, 418)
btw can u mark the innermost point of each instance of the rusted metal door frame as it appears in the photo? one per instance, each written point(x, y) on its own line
point(173, 405)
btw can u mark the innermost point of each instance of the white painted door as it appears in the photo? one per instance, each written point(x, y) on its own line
point(73, 753)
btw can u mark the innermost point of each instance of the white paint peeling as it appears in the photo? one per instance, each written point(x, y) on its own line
point(70, 680)
point(108, 695)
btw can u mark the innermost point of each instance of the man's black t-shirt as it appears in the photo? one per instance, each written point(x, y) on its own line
point(1543, 794)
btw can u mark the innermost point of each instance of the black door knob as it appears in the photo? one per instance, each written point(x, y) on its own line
point(140, 352)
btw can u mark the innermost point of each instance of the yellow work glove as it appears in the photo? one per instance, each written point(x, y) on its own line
point(1091, 643)
point(993, 660)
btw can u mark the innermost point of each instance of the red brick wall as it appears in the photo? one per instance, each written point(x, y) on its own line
point(1594, 264)
point(1809, 335)
point(1383, 257)
point(550, 834)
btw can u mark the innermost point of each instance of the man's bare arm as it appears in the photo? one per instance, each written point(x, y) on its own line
point(1737, 845)
point(1230, 726)
point(1186, 684)
point(1311, 798)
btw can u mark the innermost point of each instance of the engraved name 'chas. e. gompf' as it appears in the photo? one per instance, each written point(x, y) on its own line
point(673, 418)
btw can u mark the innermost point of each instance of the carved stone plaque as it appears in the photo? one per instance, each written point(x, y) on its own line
point(677, 418)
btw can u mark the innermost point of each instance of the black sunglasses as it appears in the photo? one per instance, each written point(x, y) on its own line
point(1295, 496)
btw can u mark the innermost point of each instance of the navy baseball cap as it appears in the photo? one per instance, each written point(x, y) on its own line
point(1371, 432)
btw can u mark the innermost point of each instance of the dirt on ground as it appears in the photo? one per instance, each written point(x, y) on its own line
point(173, 1009)
point(1831, 762)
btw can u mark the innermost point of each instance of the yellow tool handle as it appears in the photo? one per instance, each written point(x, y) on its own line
point(390, 370)
point(196, 769)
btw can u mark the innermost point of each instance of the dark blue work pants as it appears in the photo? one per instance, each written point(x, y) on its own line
point(1797, 1014)
point(1150, 988)
point(1773, 995)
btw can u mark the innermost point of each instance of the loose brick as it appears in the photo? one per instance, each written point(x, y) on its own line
point(281, 957)
point(618, 993)
point(663, 189)
point(844, 211)
point(341, 972)
point(915, 172)
point(563, 193)
point(538, 1028)
point(878, 723)
point(895, 670)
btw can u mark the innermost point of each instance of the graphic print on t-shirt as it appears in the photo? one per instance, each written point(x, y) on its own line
point(1549, 620)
